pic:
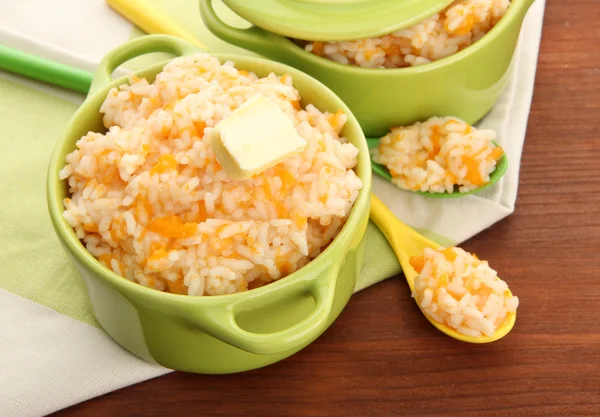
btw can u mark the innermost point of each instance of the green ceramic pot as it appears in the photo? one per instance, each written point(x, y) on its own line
point(465, 85)
point(216, 334)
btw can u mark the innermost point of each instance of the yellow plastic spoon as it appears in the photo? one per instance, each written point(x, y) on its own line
point(406, 243)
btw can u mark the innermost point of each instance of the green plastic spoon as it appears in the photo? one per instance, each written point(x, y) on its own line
point(383, 172)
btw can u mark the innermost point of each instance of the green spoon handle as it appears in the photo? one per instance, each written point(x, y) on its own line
point(44, 70)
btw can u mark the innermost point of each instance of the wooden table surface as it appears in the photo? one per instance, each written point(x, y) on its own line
point(381, 357)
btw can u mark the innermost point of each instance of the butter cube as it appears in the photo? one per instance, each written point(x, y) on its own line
point(257, 136)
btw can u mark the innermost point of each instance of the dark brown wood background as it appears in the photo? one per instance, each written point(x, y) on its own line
point(383, 358)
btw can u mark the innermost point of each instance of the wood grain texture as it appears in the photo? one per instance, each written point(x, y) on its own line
point(383, 358)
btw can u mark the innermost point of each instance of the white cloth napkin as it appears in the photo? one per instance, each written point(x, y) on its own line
point(52, 353)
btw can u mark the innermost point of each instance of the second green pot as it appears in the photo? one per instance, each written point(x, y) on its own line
point(465, 85)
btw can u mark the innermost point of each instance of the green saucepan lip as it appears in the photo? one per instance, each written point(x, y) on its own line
point(464, 85)
point(214, 334)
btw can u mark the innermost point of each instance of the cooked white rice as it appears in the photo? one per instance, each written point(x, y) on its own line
point(438, 155)
point(456, 288)
point(443, 34)
point(150, 201)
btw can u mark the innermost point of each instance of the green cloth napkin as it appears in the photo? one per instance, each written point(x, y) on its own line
point(32, 262)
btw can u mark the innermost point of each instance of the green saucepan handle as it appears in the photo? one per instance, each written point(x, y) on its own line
point(219, 319)
point(253, 38)
point(135, 48)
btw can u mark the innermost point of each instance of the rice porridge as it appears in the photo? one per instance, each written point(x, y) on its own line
point(150, 201)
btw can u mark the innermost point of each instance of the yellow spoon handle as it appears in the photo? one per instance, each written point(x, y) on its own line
point(403, 239)
point(150, 20)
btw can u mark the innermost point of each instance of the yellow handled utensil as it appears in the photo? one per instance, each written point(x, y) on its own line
point(151, 20)
point(406, 243)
